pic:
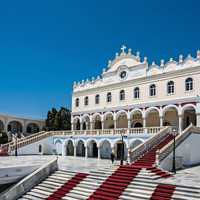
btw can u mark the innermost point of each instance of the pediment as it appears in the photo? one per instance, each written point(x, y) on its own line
point(123, 61)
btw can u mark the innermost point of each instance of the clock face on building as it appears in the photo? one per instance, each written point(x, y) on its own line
point(123, 74)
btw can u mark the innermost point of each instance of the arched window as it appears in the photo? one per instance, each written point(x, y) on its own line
point(152, 90)
point(109, 97)
point(189, 84)
point(170, 87)
point(77, 102)
point(122, 95)
point(137, 93)
point(97, 98)
point(86, 101)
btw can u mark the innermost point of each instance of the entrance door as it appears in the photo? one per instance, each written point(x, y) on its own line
point(119, 151)
point(95, 150)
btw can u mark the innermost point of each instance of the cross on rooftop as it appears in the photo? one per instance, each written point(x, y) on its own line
point(123, 48)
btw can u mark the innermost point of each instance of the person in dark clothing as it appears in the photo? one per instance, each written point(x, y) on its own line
point(112, 157)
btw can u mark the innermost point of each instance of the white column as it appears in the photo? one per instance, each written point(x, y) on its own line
point(102, 125)
point(115, 124)
point(161, 121)
point(74, 150)
point(99, 152)
point(144, 122)
point(72, 126)
point(129, 123)
point(91, 125)
point(81, 126)
point(63, 150)
point(198, 119)
point(180, 123)
point(86, 152)
point(129, 155)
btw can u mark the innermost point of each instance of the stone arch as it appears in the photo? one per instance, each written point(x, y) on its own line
point(152, 115)
point(80, 148)
point(69, 145)
point(86, 122)
point(92, 148)
point(108, 120)
point(117, 145)
point(188, 112)
point(15, 126)
point(76, 123)
point(97, 121)
point(32, 128)
point(170, 115)
point(135, 142)
point(58, 144)
point(136, 118)
point(122, 119)
point(105, 148)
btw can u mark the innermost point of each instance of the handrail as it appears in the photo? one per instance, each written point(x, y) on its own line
point(41, 135)
point(142, 148)
point(167, 149)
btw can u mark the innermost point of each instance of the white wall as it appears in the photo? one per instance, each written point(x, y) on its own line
point(31, 149)
point(187, 150)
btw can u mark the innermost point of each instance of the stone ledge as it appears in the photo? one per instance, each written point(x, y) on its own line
point(30, 181)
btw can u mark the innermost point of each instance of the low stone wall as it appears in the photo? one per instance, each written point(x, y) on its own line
point(30, 181)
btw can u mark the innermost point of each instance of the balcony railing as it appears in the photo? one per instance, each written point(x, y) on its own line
point(42, 135)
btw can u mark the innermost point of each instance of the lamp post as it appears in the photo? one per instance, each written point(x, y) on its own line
point(122, 149)
point(174, 132)
point(15, 136)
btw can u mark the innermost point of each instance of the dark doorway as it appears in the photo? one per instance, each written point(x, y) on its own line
point(119, 151)
point(94, 150)
point(138, 125)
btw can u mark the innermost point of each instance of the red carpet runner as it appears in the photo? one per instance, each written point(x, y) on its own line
point(163, 192)
point(115, 184)
point(67, 187)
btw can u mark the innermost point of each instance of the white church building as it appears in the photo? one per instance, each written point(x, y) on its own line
point(131, 93)
point(130, 98)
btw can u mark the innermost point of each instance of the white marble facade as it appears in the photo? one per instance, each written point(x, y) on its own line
point(132, 93)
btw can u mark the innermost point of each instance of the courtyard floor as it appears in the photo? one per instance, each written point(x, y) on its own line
point(189, 177)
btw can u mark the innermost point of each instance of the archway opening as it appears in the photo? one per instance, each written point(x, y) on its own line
point(97, 122)
point(86, 123)
point(122, 121)
point(105, 149)
point(135, 143)
point(118, 148)
point(92, 149)
point(77, 124)
point(170, 117)
point(80, 149)
point(152, 118)
point(70, 148)
point(32, 128)
point(136, 119)
point(108, 121)
point(15, 127)
point(189, 116)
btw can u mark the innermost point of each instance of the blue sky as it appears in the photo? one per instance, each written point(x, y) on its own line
point(46, 45)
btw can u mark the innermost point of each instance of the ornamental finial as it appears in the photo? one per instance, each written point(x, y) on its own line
point(171, 59)
point(109, 63)
point(153, 63)
point(162, 63)
point(145, 59)
point(180, 58)
point(116, 55)
point(123, 48)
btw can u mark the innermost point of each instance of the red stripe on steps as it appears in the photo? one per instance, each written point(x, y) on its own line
point(163, 192)
point(67, 187)
point(116, 183)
